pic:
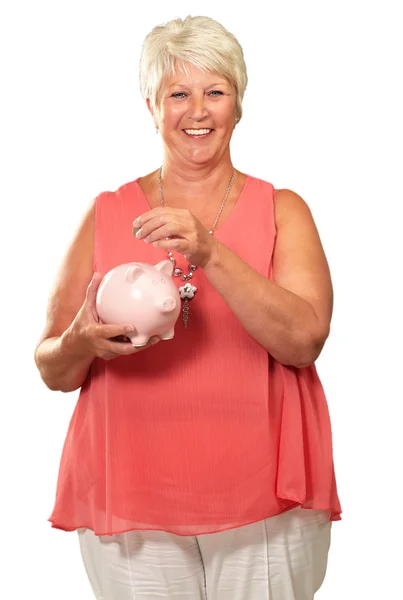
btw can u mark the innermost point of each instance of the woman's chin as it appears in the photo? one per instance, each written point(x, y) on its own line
point(203, 158)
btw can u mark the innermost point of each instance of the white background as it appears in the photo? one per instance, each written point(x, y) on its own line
point(322, 116)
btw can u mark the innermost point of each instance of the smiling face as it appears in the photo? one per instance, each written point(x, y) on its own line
point(196, 115)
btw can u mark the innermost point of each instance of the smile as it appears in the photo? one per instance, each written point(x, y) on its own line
point(198, 132)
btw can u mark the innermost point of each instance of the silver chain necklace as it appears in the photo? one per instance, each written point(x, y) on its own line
point(188, 290)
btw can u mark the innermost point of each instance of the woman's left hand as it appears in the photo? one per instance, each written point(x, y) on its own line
point(186, 234)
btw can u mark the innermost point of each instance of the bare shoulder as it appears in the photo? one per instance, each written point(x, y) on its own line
point(73, 277)
point(289, 204)
point(293, 216)
point(299, 261)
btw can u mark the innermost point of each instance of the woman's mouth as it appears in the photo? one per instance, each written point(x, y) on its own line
point(198, 133)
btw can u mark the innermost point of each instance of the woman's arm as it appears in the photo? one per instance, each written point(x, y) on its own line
point(61, 362)
point(289, 316)
point(73, 337)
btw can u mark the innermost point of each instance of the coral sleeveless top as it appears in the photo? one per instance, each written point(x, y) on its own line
point(204, 432)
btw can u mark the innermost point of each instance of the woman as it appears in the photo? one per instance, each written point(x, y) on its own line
point(199, 467)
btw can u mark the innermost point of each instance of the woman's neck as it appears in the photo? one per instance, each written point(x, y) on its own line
point(197, 181)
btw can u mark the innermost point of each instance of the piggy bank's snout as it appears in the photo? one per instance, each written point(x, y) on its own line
point(167, 304)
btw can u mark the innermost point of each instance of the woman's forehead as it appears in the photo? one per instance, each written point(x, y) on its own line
point(193, 76)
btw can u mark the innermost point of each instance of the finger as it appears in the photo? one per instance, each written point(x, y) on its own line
point(155, 223)
point(142, 220)
point(112, 330)
point(178, 244)
point(120, 338)
point(111, 349)
point(91, 294)
point(119, 348)
point(172, 230)
point(125, 349)
point(165, 213)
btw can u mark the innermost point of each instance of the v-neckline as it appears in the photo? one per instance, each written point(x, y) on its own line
point(235, 209)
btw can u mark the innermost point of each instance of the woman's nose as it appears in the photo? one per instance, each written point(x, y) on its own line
point(197, 108)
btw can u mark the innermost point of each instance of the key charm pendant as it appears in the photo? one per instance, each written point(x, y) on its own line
point(185, 312)
point(186, 292)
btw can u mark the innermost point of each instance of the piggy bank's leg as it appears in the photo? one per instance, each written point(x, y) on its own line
point(168, 335)
point(138, 339)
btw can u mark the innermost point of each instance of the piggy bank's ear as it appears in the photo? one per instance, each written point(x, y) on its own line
point(133, 273)
point(165, 266)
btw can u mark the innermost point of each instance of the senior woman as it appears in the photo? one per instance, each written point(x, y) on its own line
point(199, 467)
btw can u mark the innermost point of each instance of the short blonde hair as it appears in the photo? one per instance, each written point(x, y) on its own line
point(200, 41)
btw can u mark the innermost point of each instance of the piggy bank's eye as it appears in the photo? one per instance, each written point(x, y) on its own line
point(163, 281)
point(154, 282)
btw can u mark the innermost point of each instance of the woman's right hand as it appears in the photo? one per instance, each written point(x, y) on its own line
point(91, 338)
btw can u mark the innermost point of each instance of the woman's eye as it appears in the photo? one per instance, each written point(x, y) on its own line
point(182, 94)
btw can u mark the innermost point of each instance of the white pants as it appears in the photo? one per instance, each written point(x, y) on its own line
point(281, 558)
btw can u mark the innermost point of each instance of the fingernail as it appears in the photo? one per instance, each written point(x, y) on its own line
point(138, 233)
point(136, 222)
point(129, 328)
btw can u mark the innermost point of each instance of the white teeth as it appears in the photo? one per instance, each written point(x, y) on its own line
point(197, 131)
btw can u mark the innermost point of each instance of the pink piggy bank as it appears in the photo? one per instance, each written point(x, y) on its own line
point(141, 295)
